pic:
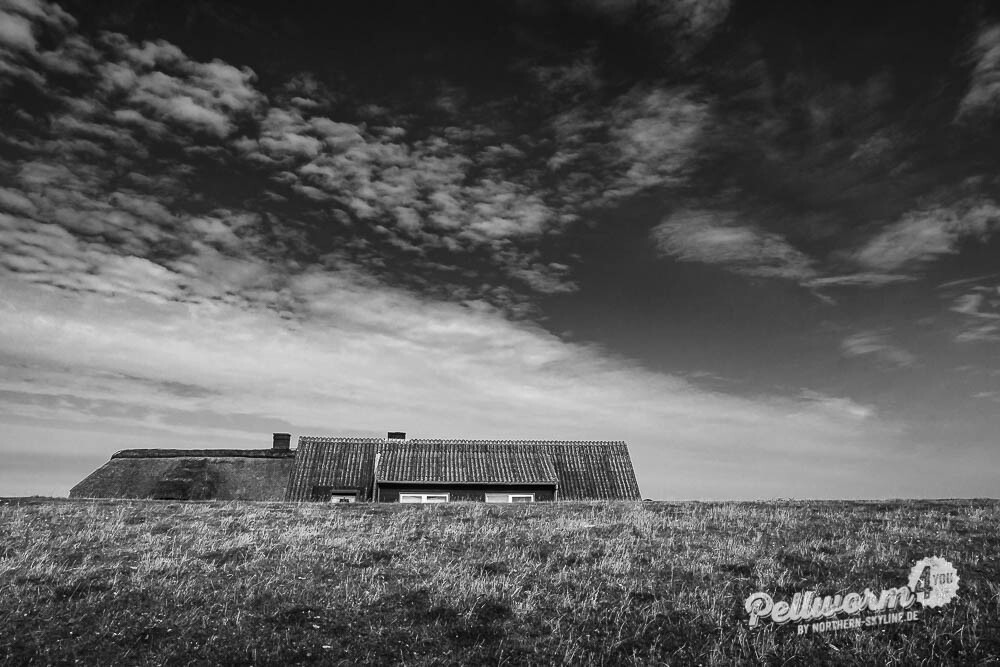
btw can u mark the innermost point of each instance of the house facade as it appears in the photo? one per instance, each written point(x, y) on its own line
point(390, 469)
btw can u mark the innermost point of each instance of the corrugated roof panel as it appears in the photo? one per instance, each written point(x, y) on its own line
point(465, 462)
point(584, 470)
point(341, 463)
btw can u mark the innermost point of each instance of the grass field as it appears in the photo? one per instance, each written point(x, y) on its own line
point(147, 582)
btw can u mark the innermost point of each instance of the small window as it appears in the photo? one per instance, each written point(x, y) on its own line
point(510, 497)
point(423, 497)
point(331, 494)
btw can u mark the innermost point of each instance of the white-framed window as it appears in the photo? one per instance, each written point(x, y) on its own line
point(343, 498)
point(510, 497)
point(423, 497)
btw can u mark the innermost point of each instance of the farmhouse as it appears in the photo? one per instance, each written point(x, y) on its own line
point(391, 469)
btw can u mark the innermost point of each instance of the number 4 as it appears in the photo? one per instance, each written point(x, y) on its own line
point(924, 583)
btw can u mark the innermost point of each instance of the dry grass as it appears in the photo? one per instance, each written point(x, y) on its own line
point(145, 582)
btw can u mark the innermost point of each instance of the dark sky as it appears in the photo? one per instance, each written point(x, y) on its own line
point(758, 241)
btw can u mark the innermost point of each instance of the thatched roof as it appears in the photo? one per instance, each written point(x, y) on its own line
point(190, 475)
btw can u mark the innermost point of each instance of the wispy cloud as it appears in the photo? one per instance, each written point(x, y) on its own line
point(983, 95)
point(979, 307)
point(877, 346)
point(981, 333)
point(859, 280)
point(647, 138)
point(921, 236)
point(983, 302)
point(718, 237)
point(363, 355)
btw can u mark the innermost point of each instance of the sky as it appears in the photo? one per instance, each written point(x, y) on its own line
point(759, 242)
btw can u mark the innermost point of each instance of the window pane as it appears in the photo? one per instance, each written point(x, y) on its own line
point(522, 499)
point(436, 499)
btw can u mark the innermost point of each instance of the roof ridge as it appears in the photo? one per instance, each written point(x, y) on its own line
point(491, 441)
point(338, 438)
point(202, 452)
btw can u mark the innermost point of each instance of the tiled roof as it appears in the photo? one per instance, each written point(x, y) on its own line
point(582, 469)
point(464, 463)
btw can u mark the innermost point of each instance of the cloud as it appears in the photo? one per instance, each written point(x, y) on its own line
point(981, 333)
point(81, 238)
point(647, 138)
point(285, 133)
point(440, 195)
point(394, 192)
point(142, 84)
point(980, 311)
point(16, 202)
point(24, 25)
point(983, 95)
point(838, 407)
point(160, 79)
point(363, 355)
point(875, 345)
point(859, 280)
point(717, 237)
point(47, 254)
point(15, 32)
point(46, 13)
point(983, 303)
point(655, 132)
point(921, 236)
point(20, 20)
point(417, 193)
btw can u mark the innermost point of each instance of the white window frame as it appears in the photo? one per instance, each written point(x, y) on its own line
point(510, 497)
point(337, 498)
point(414, 498)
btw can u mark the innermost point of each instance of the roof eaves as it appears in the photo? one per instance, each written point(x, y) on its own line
point(536, 482)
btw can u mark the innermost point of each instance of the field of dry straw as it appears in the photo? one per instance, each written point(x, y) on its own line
point(146, 582)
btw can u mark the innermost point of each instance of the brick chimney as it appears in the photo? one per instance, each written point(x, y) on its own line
point(282, 442)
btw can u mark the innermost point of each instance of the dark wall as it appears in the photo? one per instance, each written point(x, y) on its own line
point(389, 493)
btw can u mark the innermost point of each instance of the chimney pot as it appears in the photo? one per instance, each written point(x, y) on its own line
point(282, 442)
